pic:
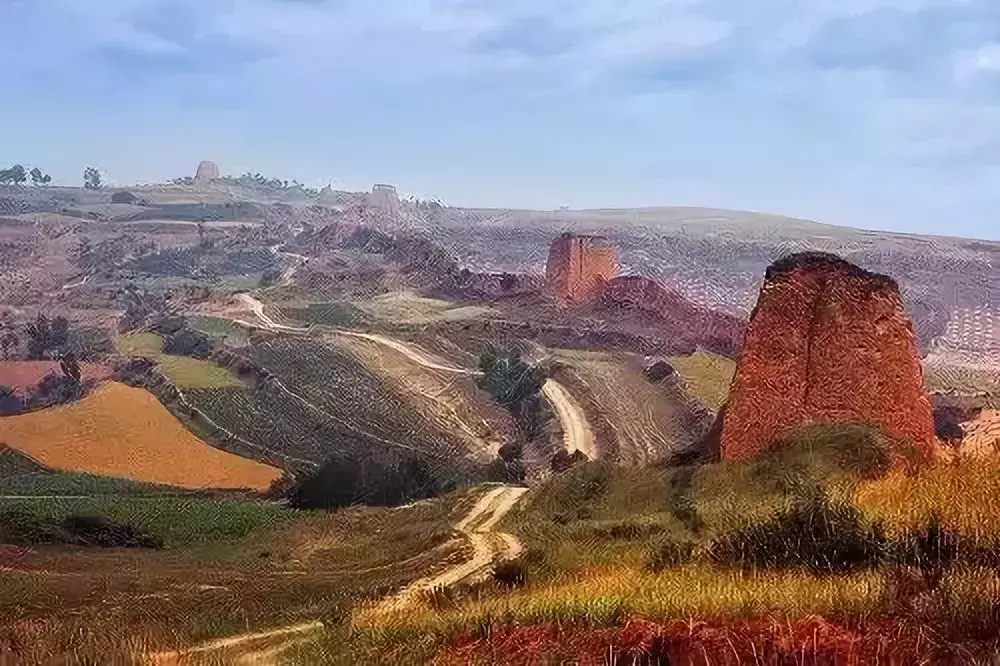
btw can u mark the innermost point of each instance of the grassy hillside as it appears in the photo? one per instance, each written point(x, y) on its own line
point(707, 376)
point(611, 548)
point(125, 432)
point(229, 567)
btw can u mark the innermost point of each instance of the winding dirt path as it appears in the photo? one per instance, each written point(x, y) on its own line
point(258, 656)
point(577, 435)
point(477, 526)
point(488, 546)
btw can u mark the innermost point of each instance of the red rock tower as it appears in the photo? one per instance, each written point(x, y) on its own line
point(827, 341)
point(578, 266)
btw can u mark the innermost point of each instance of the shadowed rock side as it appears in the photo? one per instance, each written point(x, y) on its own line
point(827, 341)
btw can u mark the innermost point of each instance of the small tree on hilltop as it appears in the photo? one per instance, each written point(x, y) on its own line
point(39, 178)
point(514, 384)
point(92, 178)
point(17, 174)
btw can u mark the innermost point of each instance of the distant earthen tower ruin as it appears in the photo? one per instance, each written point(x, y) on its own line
point(579, 266)
point(207, 172)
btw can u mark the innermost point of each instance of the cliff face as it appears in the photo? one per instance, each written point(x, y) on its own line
point(579, 265)
point(827, 341)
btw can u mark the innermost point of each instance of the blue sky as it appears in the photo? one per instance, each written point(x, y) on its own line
point(873, 113)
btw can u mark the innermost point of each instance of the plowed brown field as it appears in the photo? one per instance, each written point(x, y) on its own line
point(125, 432)
point(22, 375)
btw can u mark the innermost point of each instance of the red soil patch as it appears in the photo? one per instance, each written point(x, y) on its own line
point(693, 643)
point(22, 375)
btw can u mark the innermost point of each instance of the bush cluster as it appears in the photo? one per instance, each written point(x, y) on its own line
point(19, 527)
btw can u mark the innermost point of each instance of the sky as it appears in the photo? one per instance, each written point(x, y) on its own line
point(881, 114)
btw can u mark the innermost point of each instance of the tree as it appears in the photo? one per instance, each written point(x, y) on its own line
point(39, 178)
point(92, 178)
point(10, 401)
point(45, 335)
point(8, 341)
point(515, 385)
point(56, 390)
point(70, 367)
point(16, 175)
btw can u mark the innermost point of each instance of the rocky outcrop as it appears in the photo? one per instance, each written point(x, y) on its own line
point(207, 172)
point(827, 341)
point(578, 266)
point(651, 304)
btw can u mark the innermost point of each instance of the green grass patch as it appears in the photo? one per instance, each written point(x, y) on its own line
point(184, 371)
point(178, 520)
point(214, 326)
point(334, 313)
point(68, 483)
point(707, 376)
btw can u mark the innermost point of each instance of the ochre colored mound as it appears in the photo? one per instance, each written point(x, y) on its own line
point(827, 341)
point(125, 432)
point(22, 375)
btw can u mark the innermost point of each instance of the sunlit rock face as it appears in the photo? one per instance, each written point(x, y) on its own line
point(827, 342)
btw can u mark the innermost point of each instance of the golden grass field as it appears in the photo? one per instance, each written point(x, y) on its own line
point(184, 371)
point(125, 432)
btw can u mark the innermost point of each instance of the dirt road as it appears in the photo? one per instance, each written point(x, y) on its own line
point(267, 655)
point(258, 309)
point(477, 526)
point(577, 435)
point(487, 545)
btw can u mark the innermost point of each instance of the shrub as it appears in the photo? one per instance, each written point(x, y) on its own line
point(391, 480)
point(20, 527)
point(669, 552)
point(188, 342)
point(816, 454)
point(814, 533)
point(932, 550)
point(106, 533)
point(511, 573)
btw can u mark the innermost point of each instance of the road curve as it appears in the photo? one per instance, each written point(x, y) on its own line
point(577, 435)
point(487, 546)
point(477, 526)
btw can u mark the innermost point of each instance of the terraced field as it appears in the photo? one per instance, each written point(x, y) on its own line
point(324, 401)
point(451, 401)
point(125, 432)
